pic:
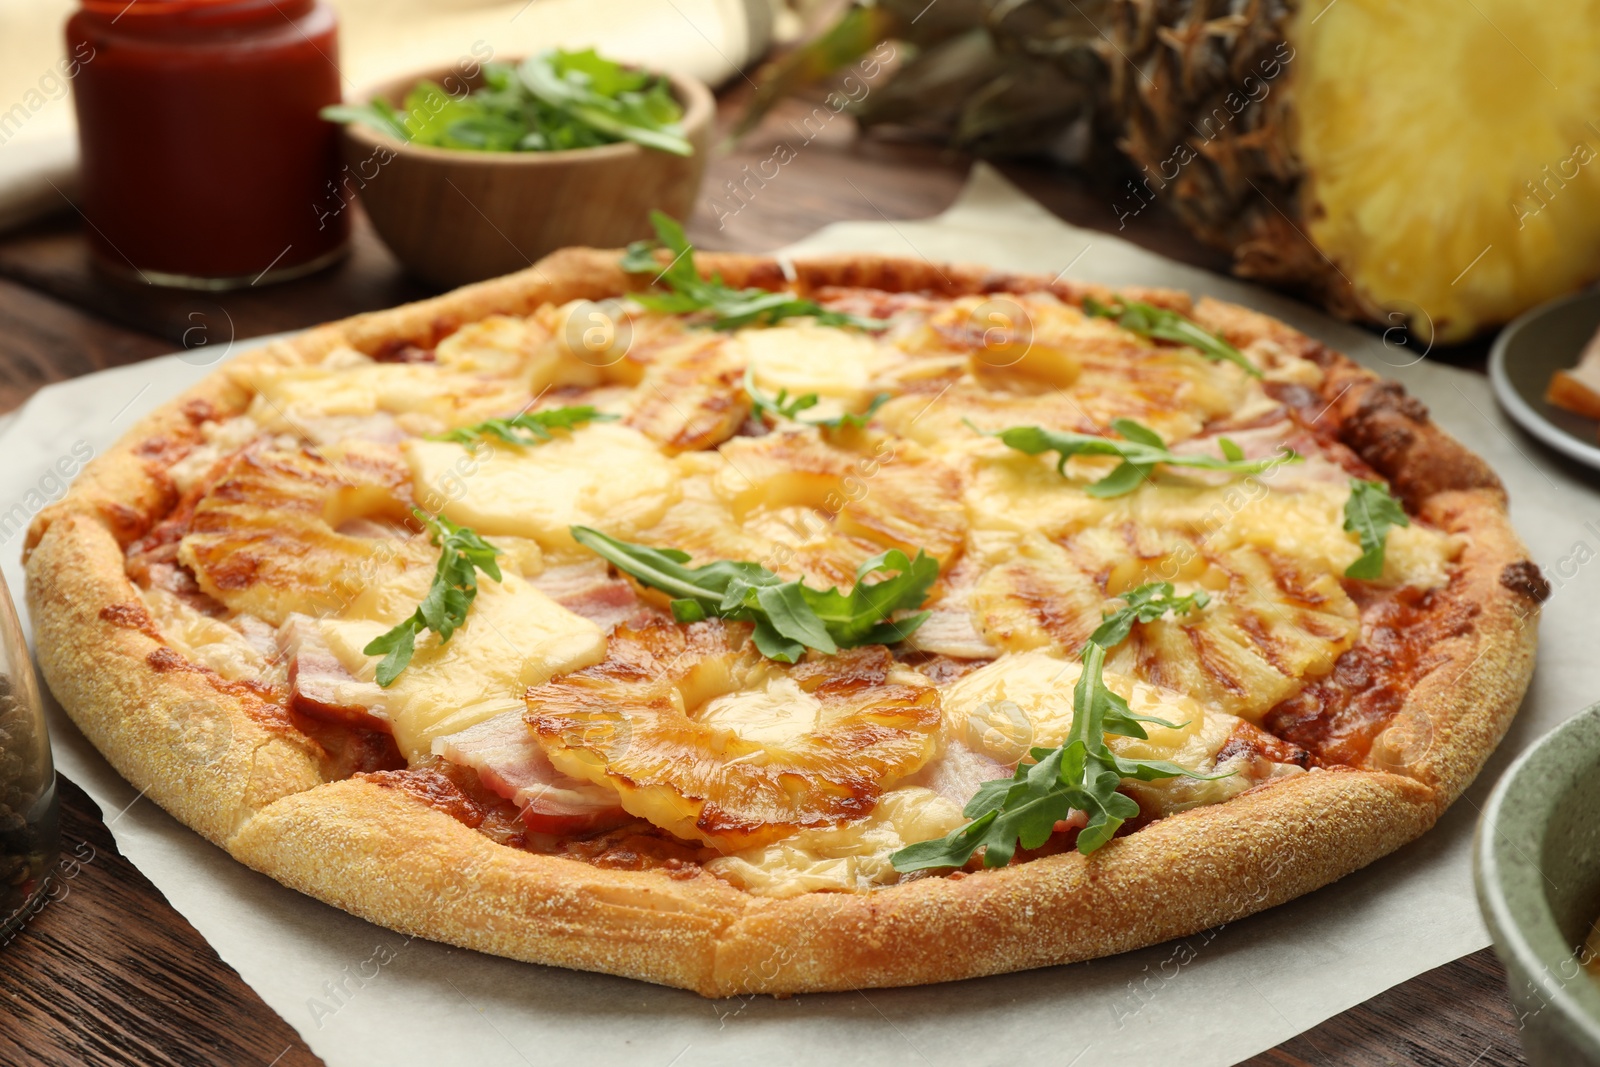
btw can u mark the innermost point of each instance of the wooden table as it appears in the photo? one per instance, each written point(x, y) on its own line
point(111, 974)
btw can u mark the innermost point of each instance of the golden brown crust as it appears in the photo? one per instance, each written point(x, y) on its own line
point(391, 858)
point(385, 855)
point(1458, 712)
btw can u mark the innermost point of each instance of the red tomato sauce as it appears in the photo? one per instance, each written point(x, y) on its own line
point(1338, 717)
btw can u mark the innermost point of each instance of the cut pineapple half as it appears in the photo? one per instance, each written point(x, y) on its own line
point(1452, 160)
point(1275, 621)
point(1032, 595)
point(703, 737)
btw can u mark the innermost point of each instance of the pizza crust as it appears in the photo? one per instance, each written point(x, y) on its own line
point(392, 859)
point(263, 792)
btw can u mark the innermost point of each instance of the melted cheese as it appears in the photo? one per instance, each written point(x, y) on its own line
point(1024, 701)
point(1297, 511)
point(849, 857)
point(780, 713)
point(514, 637)
point(357, 387)
point(601, 474)
point(214, 643)
point(837, 365)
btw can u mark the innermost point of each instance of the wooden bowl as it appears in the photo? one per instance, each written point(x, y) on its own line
point(454, 217)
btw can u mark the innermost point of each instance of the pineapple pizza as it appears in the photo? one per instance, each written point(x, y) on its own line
point(749, 626)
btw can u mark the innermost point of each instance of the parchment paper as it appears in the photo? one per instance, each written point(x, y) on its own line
point(360, 994)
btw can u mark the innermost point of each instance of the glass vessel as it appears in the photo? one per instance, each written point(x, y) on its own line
point(204, 162)
point(30, 836)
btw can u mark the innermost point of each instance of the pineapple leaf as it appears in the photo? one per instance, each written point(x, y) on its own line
point(846, 41)
point(1147, 603)
point(1159, 324)
point(729, 308)
point(462, 553)
point(1369, 514)
point(527, 429)
point(1081, 775)
point(789, 617)
point(1140, 450)
point(786, 407)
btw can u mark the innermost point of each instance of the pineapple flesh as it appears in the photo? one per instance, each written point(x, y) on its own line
point(1451, 156)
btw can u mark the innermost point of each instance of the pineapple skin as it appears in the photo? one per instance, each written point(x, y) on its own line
point(1204, 102)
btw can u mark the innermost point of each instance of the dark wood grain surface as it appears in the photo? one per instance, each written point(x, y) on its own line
point(109, 973)
point(106, 972)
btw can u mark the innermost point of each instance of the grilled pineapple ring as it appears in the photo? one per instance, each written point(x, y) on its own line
point(698, 733)
point(265, 538)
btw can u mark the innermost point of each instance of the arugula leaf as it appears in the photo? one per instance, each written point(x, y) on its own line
point(781, 405)
point(553, 101)
point(379, 114)
point(786, 407)
point(625, 105)
point(729, 308)
point(1147, 320)
point(1369, 514)
point(1147, 603)
point(1081, 775)
point(1140, 450)
point(537, 425)
point(851, 419)
point(444, 609)
point(790, 616)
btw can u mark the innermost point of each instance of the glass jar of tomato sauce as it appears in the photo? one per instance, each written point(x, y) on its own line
point(204, 163)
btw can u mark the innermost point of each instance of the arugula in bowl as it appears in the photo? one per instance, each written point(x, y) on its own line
point(548, 102)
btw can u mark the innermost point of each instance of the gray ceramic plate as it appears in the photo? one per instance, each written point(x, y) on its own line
point(1527, 353)
point(1537, 862)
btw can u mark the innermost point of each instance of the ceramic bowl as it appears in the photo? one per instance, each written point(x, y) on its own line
point(453, 217)
point(1537, 864)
